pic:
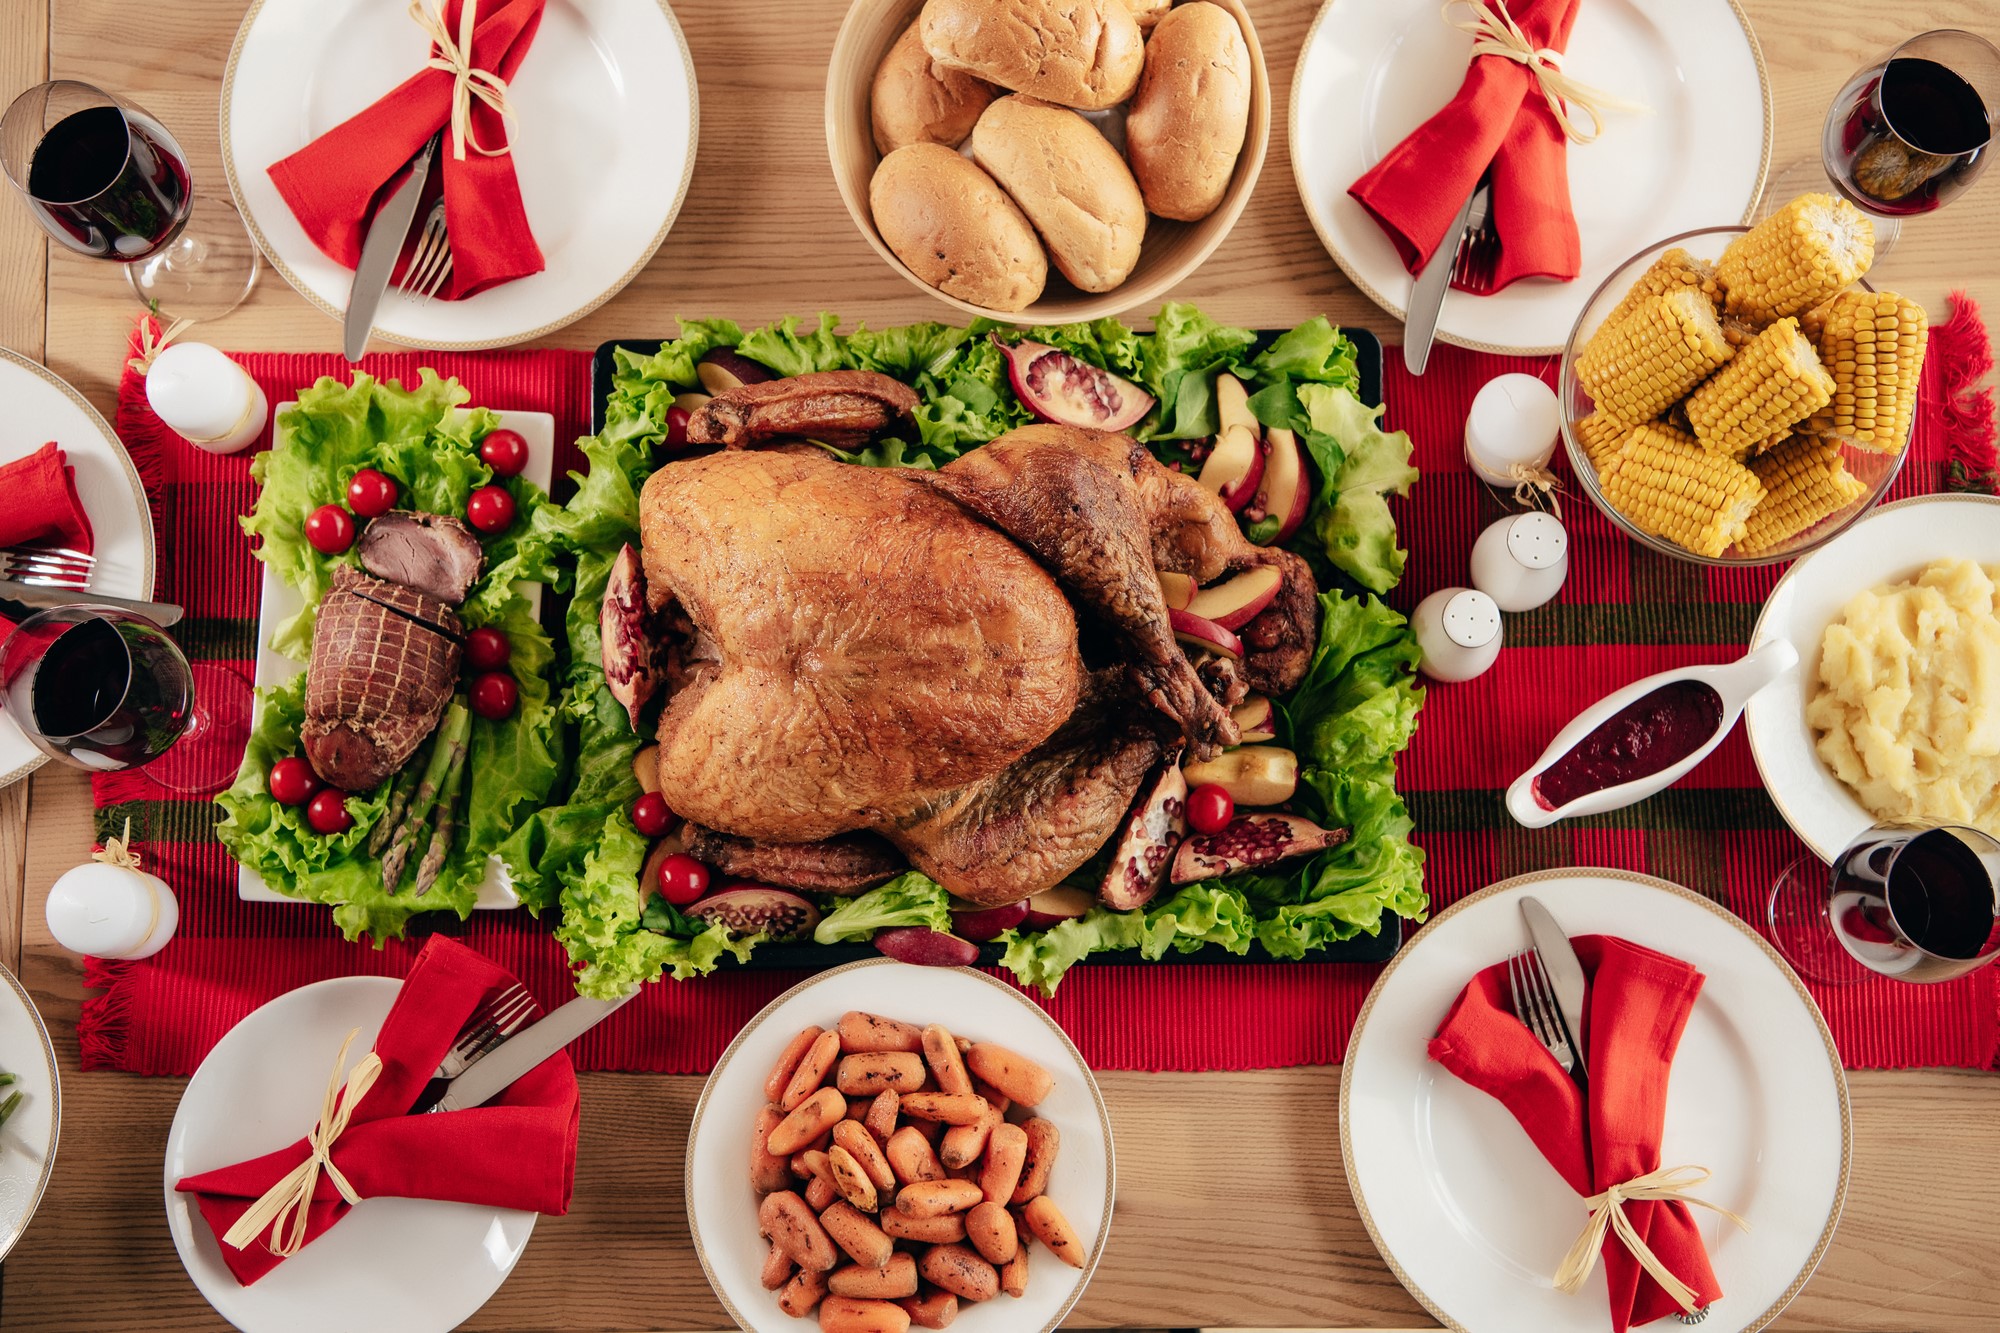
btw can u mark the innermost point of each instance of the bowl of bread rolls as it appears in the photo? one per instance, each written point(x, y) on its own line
point(1046, 161)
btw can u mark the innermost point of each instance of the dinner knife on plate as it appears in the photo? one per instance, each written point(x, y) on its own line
point(498, 1068)
point(378, 253)
point(1565, 972)
point(40, 596)
point(1427, 297)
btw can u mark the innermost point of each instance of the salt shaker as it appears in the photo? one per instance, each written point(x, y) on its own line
point(1521, 561)
point(1458, 632)
point(1513, 424)
point(209, 399)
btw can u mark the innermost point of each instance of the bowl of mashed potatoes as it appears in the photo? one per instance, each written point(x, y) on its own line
point(1894, 711)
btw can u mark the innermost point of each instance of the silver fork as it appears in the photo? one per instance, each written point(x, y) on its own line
point(54, 566)
point(1535, 1005)
point(492, 1023)
point(430, 262)
point(1479, 247)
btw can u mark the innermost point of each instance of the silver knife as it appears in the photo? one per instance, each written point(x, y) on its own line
point(498, 1068)
point(378, 253)
point(44, 595)
point(1427, 297)
point(1565, 972)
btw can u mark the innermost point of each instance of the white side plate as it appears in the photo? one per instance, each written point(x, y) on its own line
point(28, 1139)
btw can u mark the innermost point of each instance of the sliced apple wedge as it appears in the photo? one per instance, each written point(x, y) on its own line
point(1052, 907)
point(1284, 491)
point(1256, 719)
point(1178, 589)
point(1201, 634)
point(1234, 603)
point(1232, 406)
point(646, 768)
point(1252, 775)
point(1234, 467)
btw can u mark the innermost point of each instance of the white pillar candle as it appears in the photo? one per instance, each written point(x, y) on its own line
point(1458, 632)
point(206, 397)
point(1513, 423)
point(1521, 562)
point(110, 911)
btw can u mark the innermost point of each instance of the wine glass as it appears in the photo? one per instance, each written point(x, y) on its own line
point(104, 690)
point(108, 181)
point(1916, 902)
point(1907, 134)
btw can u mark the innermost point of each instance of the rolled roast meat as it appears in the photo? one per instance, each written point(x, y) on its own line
point(384, 664)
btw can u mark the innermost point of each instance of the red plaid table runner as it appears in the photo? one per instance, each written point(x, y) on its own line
point(1625, 613)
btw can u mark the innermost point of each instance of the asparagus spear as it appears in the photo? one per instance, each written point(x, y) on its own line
point(405, 782)
point(447, 754)
point(447, 828)
point(7, 1107)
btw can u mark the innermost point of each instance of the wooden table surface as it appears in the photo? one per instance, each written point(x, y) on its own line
point(1268, 1235)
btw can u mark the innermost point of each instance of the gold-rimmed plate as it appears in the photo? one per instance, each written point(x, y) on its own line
point(722, 1208)
point(1371, 71)
point(1470, 1217)
point(604, 149)
point(28, 1139)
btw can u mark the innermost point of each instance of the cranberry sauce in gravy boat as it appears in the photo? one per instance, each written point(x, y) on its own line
point(1641, 739)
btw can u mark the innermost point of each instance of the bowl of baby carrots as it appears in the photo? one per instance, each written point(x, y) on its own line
point(1741, 395)
point(888, 1147)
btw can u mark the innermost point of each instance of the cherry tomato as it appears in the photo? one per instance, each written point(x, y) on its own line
point(487, 649)
point(493, 695)
point(330, 529)
point(677, 427)
point(682, 879)
point(1210, 808)
point(651, 816)
point(505, 452)
point(371, 493)
point(327, 812)
point(292, 781)
point(490, 509)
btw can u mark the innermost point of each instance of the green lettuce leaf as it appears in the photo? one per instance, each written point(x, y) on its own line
point(1363, 466)
point(910, 899)
point(1179, 361)
point(1195, 917)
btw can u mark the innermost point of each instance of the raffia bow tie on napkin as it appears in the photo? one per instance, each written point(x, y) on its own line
point(1609, 1150)
point(1516, 112)
point(42, 508)
point(335, 183)
point(518, 1151)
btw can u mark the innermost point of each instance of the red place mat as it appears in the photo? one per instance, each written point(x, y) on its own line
point(1624, 613)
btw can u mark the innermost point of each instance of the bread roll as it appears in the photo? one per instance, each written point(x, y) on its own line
point(1080, 53)
point(912, 102)
point(956, 229)
point(1185, 126)
point(1149, 12)
point(1070, 182)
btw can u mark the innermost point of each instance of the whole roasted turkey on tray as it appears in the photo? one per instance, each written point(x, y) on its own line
point(968, 671)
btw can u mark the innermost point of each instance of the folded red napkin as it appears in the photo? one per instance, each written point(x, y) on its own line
point(1498, 118)
point(518, 1151)
point(1636, 1006)
point(42, 507)
point(335, 184)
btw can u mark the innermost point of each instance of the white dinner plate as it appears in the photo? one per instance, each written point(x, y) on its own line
point(722, 1208)
point(1467, 1213)
point(389, 1265)
point(41, 408)
point(1373, 70)
point(604, 149)
point(28, 1139)
point(1890, 545)
point(278, 601)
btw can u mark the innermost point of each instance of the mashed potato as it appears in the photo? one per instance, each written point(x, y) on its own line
point(1907, 710)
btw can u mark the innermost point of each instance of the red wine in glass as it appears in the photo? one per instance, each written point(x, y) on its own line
point(109, 181)
point(98, 688)
point(1911, 133)
point(1918, 904)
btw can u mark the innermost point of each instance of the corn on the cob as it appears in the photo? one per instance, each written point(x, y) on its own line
point(1670, 486)
point(1635, 369)
point(1799, 256)
point(1602, 435)
point(1804, 480)
point(1770, 386)
point(1872, 343)
point(1669, 273)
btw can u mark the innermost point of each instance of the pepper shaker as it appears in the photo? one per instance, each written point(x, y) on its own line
point(1458, 632)
point(1521, 561)
point(209, 399)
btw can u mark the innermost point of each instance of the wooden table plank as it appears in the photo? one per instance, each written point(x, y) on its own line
point(1232, 1206)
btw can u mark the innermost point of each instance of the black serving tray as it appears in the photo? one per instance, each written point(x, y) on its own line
point(817, 957)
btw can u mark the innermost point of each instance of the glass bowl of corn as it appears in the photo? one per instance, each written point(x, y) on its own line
point(1738, 395)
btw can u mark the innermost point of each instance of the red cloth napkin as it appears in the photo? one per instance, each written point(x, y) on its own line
point(518, 1151)
point(1499, 117)
point(1635, 1007)
point(335, 184)
point(42, 507)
